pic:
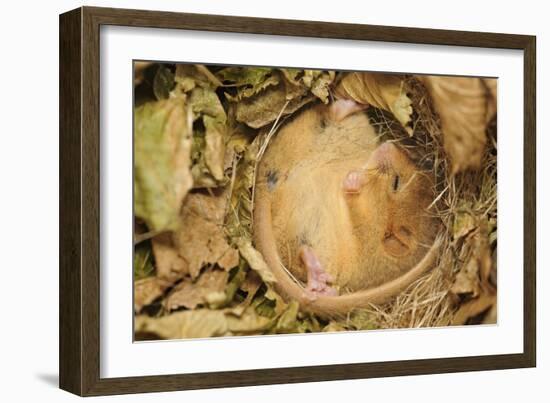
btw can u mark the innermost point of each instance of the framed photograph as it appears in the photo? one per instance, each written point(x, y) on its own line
point(250, 201)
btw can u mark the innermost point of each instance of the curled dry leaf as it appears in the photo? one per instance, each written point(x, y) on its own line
point(190, 294)
point(266, 106)
point(472, 282)
point(250, 285)
point(147, 290)
point(200, 323)
point(264, 93)
point(317, 81)
point(475, 307)
point(170, 265)
point(491, 86)
point(256, 261)
point(207, 106)
point(287, 320)
point(162, 177)
point(383, 91)
point(473, 278)
point(249, 81)
point(196, 323)
point(464, 222)
point(464, 106)
point(198, 85)
point(239, 219)
point(139, 68)
point(249, 322)
point(163, 82)
point(199, 240)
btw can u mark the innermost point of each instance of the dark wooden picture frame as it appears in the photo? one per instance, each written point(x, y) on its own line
point(80, 198)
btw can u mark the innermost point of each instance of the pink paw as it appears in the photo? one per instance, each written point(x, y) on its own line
point(353, 182)
point(317, 278)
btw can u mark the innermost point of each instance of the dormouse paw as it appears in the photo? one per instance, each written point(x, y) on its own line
point(353, 182)
point(317, 278)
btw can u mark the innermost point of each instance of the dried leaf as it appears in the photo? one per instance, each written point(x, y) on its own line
point(491, 317)
point(249, 322)
point(163, 82)
point(473, 278)
point(384, 91)
point(214, 151)
point(239, 221)
point(463, 106)
point(189, 76)
point(206, 105)
point(249, 80)
point(491, 86)
point(250, 285)
point(190, 294)
point(162, 144)
point(197, 323)
point(361, 319)
point(474, 308)
point(266, 106)
point(464, 223)
point(229, 259)
point(199, 241)
point(287, 322)
point(467, 280)
point(317, 81)
point(147, 290)
point(170, 266)
point(197, 84)
point(139, 68)
point(256, 261)
point(201, 238)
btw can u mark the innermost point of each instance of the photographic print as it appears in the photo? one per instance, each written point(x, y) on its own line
point(273, 200)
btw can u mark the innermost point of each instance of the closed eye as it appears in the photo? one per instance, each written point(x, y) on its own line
point(396, 181)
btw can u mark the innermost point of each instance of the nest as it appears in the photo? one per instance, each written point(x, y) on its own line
point(203, 277)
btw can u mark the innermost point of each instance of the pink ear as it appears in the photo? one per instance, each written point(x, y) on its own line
point(342, 108)
point(383, 156)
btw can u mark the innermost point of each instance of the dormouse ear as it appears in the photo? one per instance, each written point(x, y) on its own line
point(342, 108)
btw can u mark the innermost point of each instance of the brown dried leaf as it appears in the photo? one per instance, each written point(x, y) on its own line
point(197, 323)
point(491, 317)
point(464, 223)
point(491, 85)
point(162, 149)
point(147, 290)
point(229, 260)
point(256, 261)
point(170, 266)
point(467, 280)
point(264, 108)
point(474, 308)
point(473, 278)
point(139, 68)
point(206, 105)
point(190, 294)
point(214, 150)
point(384, 91)
point(251, 285)
point(199, 241)
point(463, 106)
point(250, 322)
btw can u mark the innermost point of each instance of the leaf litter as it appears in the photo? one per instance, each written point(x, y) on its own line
point(199, 134)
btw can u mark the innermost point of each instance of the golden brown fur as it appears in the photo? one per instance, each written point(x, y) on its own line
point(362, 240)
